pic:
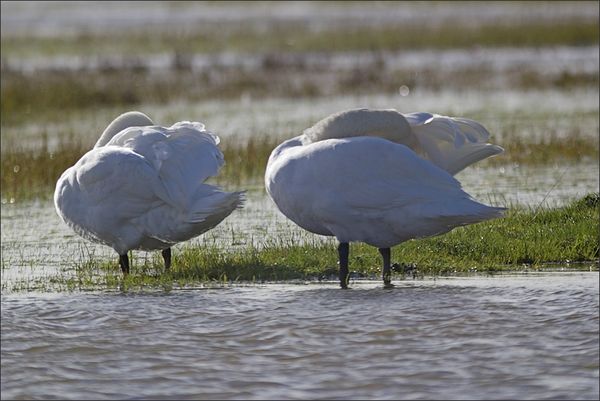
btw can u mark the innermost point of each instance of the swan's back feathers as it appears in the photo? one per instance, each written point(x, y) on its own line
point(451, 143)
point(185, 155)
point(189, 157)
point(388, 124)
point(96, 199)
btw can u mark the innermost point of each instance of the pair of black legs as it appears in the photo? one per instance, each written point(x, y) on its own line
point(124, 261)
point(344, 250)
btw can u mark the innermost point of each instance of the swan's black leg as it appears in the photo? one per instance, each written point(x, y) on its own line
point(166, 253)
point(387, 269)
point(343, 251)
point(124, 263)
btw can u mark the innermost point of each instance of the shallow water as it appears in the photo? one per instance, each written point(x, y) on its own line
point(510, 337)
point(532, 115)
point(62, 18)
point(501, 61)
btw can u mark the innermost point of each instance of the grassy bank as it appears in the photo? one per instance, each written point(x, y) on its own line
point(526, 239)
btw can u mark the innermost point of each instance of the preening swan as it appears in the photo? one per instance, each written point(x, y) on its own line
point(379, 177)
point(142, 187)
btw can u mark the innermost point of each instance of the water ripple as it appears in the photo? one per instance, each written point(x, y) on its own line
point(519, 337)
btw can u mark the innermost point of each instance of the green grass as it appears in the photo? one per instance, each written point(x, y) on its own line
point(526, 239)
point(28, 174)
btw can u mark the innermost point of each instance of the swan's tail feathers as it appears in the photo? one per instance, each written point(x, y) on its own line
point(474, 212)
point(451, 143)
point(214, 208)
point(470, 154)
point(187, 158)
point(444, 222)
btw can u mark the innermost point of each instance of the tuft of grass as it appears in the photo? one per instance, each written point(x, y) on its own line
point(30, 174)
point(571, 144)
point(245, 161)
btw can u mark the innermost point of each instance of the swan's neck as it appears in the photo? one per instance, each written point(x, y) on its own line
point(126, 120)
point(388, 124)
point(290, 143)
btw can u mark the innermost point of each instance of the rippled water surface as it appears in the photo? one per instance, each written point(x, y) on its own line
point(510, 337)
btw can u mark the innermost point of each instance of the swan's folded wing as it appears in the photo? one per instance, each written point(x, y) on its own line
point(122, 178)
point(183, 155)
point(188, 157)
point(451, 143)
point(394, 176)
point(364, 175)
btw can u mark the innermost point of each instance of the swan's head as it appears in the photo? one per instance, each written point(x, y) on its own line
point(125, 120)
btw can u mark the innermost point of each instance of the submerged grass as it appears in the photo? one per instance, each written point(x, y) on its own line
point(526, 239)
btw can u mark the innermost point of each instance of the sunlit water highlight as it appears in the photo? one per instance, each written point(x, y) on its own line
point(511, 337)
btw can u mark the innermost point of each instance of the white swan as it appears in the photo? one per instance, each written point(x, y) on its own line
point(379, 177)
point(141, 187)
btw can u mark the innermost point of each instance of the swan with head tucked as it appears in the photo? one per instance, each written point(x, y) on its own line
point(142, 187)
point(379, 177)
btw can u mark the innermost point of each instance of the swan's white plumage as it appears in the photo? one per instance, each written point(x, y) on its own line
point(388, 124)
point(374, 188)
point(451, 143)
point(125, 120)
point(142, 187)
